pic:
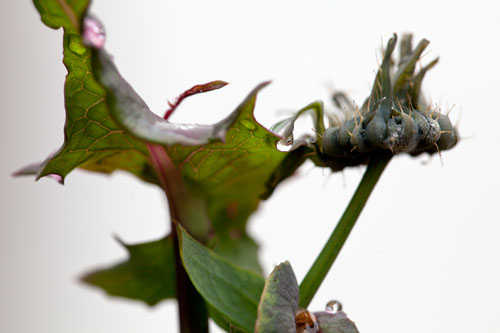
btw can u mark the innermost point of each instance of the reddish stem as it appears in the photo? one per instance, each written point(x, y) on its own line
point(193, 314)
point(199, 88)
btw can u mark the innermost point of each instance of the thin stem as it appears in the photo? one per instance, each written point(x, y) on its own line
point(193, 313)
point(330, 251)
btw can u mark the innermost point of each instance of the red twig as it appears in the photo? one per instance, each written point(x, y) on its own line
point(199, 88)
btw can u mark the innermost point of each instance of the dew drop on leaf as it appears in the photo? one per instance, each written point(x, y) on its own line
point(93, 32)
point(333, 306)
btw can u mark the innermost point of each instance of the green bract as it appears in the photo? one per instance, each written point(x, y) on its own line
point(395, 116)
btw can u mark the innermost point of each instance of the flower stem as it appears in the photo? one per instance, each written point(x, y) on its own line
point(330, 251)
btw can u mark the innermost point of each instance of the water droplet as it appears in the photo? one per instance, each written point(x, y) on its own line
point(93, 32)
point(57, 177)
point(247, 124)
point(284, 129)
point(333, 306)
point(283, 146)
point(75, 45)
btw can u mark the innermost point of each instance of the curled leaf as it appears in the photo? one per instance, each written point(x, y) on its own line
point(131, 112)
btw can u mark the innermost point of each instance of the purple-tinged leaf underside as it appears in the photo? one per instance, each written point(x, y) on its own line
point(279, 301)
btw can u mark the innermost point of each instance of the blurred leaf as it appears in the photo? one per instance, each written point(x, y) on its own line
point(335, 322)
point(147, 275)
point(279, 302)
point(232, 291)
point(223, 321)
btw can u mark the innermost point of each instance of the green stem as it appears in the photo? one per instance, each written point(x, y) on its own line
point(330, 251)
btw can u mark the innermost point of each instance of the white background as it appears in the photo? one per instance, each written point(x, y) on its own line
point(424, 255)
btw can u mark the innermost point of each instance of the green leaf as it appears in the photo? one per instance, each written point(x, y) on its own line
point(279, 302)
point(222, 321)
point(229, 177)
point(93, 140)
point(147, 275)
point(232, 176)
point(232, 291)
point(62, 13)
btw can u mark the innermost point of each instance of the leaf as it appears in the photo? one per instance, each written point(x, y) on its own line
point(232, 291)
point(335, 322)
point(223, 321)
point(92, 139)
point(130, 110)
point(62, 13)
point(279, 301)
point(147, 275)
point(232, 176)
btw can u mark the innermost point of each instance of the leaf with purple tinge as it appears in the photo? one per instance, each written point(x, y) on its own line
point(132, 113)
point(335, 322)
point(279, 302)
point(229, 176)
point(279, 310)
point(92, 139)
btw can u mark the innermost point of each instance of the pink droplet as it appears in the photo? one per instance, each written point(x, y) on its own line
point(93, 32)
point(57, 177)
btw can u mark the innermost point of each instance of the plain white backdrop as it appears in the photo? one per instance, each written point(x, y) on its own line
point(425, 253)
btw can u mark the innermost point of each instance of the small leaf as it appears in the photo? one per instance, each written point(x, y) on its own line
point(279, 302)
point(232, 291)
point(197, 89)
point(147, 275)
point(335, 322)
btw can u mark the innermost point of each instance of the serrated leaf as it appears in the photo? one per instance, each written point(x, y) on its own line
point(93, 140)
point(232, 291)
point(279, 301)
point(232, 175)
point(147, 275)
